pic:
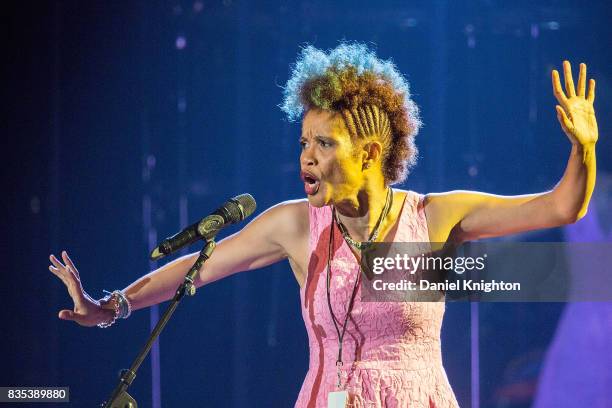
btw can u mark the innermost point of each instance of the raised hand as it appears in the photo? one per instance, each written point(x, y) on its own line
point(575, 112)
point(86, 311)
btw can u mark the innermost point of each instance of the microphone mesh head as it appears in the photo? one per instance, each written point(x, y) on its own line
point(246, 206)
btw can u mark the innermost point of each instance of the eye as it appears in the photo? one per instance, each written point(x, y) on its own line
point(324, 143)
point(303, 144)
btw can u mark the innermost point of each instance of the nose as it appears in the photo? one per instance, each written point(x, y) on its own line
point(307, 157)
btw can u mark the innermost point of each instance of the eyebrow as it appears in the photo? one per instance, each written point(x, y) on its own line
point(318, 137)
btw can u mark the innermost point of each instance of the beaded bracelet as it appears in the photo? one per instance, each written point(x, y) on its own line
point(105, 300)
point(122, 308)
point(125, 307)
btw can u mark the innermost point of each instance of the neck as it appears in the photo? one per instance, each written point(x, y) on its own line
point(360, 212)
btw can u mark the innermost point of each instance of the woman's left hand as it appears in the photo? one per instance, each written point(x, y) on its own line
point(575, 112)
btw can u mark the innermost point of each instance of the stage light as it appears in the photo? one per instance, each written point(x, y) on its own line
point(552, 25)
point(473, 170)
point(181, 42)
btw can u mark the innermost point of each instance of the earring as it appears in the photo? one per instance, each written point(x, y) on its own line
point(366, 165)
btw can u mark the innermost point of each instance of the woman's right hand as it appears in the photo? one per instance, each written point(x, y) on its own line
point(87, 311)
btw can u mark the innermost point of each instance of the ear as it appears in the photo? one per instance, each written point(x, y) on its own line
point(371, 153)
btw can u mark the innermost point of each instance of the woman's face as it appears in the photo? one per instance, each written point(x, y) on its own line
point(331, 165)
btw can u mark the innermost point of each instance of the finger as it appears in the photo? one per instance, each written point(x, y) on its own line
point(56, 262)
point(563, 119)
point(57, 273)
point(557, 90)
point(75, 279)
point(591, 96)
point(75, 290)
point(60, 268)
point(66, 314)
point(69, 315)
point(582, 80)
point(69, 262)
point(569, 81)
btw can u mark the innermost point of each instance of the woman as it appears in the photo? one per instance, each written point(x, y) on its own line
point(358, 129)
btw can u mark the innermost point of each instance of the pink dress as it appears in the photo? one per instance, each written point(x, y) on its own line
point(391, 350)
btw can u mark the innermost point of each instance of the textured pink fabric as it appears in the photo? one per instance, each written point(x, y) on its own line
point(391, 352)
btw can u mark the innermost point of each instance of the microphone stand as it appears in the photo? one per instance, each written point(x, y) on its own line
point(120, 397)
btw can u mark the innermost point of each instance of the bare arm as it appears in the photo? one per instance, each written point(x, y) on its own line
point(262, 242)
point(269, 238)
point(470, 215)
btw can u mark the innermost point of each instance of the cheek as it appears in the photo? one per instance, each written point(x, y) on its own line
point(343, 171)
point(350, 167)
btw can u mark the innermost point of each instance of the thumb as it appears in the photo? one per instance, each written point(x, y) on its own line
point(66, 315)
point(566, 123)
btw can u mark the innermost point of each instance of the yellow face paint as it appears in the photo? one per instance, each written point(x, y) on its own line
point(332, 167)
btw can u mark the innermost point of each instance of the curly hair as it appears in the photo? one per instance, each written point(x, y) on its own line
point(370, 94)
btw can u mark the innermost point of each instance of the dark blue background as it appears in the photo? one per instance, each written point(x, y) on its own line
point(107, 118)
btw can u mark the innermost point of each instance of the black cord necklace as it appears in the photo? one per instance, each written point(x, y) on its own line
point(360, 246)
point(383, 214)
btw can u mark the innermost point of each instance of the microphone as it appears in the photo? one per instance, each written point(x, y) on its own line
point(234, 210)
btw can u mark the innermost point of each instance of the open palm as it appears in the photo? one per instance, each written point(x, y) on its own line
point(575, 112)
point(86, 311)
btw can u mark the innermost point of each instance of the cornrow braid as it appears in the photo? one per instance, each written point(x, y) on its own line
point(368, 121)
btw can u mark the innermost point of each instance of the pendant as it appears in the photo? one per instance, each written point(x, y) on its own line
point(337, 399)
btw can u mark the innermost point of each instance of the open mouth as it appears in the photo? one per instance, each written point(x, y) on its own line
point(311, 183)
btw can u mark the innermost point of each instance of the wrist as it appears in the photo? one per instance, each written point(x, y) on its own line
point(106, 314)
point(114, 305)
point(582, 147)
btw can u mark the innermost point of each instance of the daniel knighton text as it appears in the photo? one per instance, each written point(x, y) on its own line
point(446, 286)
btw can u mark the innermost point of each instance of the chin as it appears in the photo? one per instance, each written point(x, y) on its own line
point(318, 200)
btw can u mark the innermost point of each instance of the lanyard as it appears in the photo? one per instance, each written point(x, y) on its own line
point(351, 301)
point(383, 214)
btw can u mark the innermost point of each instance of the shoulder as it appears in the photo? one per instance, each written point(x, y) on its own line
point(298, 207)
point(432, 201)
point(446, 210)
point(446, 204)
point(400, 194)
point(438, 201)
point(409, 197)
point(289, 216)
